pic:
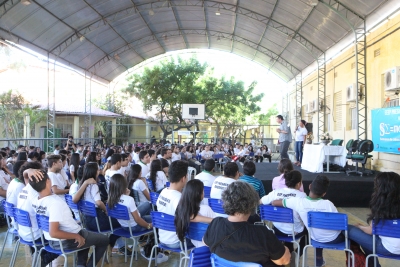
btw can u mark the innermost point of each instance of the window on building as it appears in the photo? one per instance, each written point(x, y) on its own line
point(327, 123)
point(353, 114)
point(393, 103)
point(65, 129)
point(337, 100)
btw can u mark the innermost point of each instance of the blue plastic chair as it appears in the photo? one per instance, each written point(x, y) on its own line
point(44, 225)
point(216, 205)
point(220, 262)
point(207, 191)
point(197, 230)
point(166, 222)
point(121, 212)
point(282, 215)
point(150, 184)
point(9, 212)
point(22, 218)
point(217, 157)
point(328, 221)
point(153, 198)
point(388, 228)
point(74, 207)
point(200, 257)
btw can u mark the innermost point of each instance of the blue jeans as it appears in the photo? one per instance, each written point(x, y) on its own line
point(144, 208)
point(177, 244)
point(365, 241)
point(299, 151)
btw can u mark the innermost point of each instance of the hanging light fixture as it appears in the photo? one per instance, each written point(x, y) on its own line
point(82, 38)
point(116, 57)
point(151, 12)
point(26, 2)
point(218, 12)
point(313, 2)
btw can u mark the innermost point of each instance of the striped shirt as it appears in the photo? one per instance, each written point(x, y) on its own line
point(257, 184)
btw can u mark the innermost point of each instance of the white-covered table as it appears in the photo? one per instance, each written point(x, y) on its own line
point(314, 156)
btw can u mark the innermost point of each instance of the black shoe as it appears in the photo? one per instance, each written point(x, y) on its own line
point(121, 251)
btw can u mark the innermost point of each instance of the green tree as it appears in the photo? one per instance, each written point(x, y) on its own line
point(265, 119)
point(13, 110)
point(115, 104)
point(172, 83)
point(166, 87)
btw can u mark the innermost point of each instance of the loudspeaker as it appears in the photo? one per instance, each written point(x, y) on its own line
point(309, 127)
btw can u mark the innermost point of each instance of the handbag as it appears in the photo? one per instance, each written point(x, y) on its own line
point(149, 246)
point(359, 256)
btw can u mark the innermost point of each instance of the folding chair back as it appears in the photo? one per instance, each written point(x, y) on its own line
point(119, 212)
point(207, 191)
point(197, 230)
point(216, 205)
point(217, 261)
point(276, 214)
point(153, 198)
point(200, 257)
point(191, 172)
point(150, 184)
point(70, 203)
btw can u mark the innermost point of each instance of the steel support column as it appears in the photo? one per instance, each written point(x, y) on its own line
point(357, 25)
point(88, 108)
point(299, 97)
point(51, 110)
point(321, 109)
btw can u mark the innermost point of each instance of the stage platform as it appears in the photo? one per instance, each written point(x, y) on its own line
point(344, 191)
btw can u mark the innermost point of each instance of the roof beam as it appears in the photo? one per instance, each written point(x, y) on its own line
point(266, 28)
point(6, 5)
point(115, 16)
point(291, 37)
point(225, 35)
point(177, 23)
point(69, 26)
point(234, 25)
point(112, 28)
point(206, 25)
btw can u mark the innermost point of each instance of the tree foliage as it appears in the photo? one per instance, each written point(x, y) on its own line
point(265, 119)
point(172, 83)
point(116, 105)
point(13, 109)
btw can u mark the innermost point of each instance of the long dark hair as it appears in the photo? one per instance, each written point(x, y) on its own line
point(89, 171)
point(385, 200)
point(75, 158)
point(92, 157)
point(154, 168)
point(136, 169)
point(118, 186)
point(188, 207)
point(109, 153)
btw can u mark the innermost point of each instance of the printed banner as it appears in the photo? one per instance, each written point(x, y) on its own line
point(386, 129)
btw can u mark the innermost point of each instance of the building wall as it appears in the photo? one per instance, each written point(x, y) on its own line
point(383, 53)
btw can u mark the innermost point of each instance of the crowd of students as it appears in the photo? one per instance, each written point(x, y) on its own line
point(121, 175)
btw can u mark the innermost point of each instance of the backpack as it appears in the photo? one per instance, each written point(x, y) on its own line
point(149, 246)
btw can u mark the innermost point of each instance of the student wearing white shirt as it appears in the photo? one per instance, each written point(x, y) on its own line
point(206, 177)
point(63, 226)
point(236, 150)
point(157, 175)
point(231, 174)
point(144, 160)
point(89, 191)
point(24, 202)
point(175, 154)
point(59, 185)
point(56, 150)
point(300, 133)
point(189, 207)
point(263, 152)
point(314, 202)
point(206, 153)
point(293, 181)
point(135, 154)
point(115, 168)
point(169, 198)
point(135, 183)
point(124, 164)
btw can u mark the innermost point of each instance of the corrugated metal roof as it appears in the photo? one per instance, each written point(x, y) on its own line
point(107, 37)
point(74, 109)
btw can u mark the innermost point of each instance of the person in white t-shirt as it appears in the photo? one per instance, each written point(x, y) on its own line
point(63, 226)
point(144, 160)
point(384, 205)
point(300, 133)
point(293, 181)
point(115, 163)
point(189, 207)
point(139, 188)
point(206, 154)
point(135, 155)
point(124, 170)
point(314, 202)
point(168, 201)
point(206, 177)
point(175, 154)
point(59, 185)
point(157, 175)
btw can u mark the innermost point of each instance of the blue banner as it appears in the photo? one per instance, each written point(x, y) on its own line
point(386, 129)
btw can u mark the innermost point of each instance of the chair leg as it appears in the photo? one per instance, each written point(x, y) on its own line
point(126, 251)
point(66, 260)
point(14, 254)
point(305, 254)
point(151, 256)
point(4, 242)
point(133, 251)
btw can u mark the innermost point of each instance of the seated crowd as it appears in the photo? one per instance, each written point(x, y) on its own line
point(38, 184)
